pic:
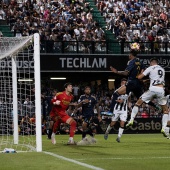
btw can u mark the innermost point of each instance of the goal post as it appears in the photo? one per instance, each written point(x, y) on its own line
point(20, 93)
point(37, 93)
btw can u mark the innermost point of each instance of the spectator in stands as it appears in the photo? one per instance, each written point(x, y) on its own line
point(64, 16)
point(2, 14)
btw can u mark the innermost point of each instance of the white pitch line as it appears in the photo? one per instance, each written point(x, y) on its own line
point(73, 161)
point(123, 158)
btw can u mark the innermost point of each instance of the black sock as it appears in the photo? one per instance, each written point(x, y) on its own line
point(49, 133)
point(115, 96)
point(152, 104)
point(90, 133)
point(84, 134)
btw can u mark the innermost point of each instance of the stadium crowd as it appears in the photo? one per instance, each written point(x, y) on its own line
point(72, 20)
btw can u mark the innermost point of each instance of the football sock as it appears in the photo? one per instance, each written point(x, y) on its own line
point(84, 134)
point(108, 129)
point(56, 126)
point(115, 96)
point(164, 120)
point(49, 133)
point(72, 128)
point(152, 104)
point(120, 132)
point(134, 113)
point(90, 133)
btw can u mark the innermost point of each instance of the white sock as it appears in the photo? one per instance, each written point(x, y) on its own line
point(120, 132)
point(164, 120)
point(167, 130)
point(134, 113)
point(108, 128)
point(53, 134)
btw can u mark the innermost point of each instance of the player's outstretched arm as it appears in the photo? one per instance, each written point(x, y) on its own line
point(140, 76)
point(123, 73)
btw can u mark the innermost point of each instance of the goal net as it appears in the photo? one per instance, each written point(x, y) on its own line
point(20, 101)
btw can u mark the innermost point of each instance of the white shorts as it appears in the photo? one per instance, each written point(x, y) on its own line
point(157, 92)
point(119, 114)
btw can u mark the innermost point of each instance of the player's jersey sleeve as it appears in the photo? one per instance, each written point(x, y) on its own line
point(80, 99)
point(130, 66)
point(57, 97)
point(147, 71)
point(53, 99)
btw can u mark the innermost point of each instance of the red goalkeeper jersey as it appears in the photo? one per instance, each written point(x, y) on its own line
point(64, 102)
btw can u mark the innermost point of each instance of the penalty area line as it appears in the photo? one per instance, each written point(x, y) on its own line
point(123, 158)
point(73, 161)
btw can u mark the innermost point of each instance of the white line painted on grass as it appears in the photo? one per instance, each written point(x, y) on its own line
point(73, 161)
point(122, 158)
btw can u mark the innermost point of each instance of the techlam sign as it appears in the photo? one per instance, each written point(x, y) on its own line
point(83, 63)
point(94, 62)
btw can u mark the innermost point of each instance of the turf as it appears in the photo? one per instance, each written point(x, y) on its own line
point(134, 152)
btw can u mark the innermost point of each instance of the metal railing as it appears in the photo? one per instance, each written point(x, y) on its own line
point(103, 47)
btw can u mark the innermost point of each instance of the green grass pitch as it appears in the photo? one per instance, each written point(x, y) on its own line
point(134, 152)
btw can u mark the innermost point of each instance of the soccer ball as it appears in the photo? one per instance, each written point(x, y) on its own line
point(135, 46)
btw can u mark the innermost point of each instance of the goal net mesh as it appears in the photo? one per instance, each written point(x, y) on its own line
point(22, 51)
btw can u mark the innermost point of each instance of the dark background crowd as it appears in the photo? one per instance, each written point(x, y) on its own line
point(100, 91)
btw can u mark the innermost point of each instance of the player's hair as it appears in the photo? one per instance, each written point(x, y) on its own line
point(154, 59)
point(67, 84)
point(123, 79)
point(133, 52)
point(87, 87)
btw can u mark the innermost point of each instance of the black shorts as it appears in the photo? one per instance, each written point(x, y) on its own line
point(134, 86)
point(88, 118)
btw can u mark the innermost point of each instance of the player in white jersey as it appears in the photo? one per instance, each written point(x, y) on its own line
point(119, 111)
point(157, 75)
point(167, 129)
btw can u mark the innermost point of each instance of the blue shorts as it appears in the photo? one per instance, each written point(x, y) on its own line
point(134, 86)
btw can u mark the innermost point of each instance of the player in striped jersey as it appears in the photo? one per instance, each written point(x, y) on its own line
point(120, 111)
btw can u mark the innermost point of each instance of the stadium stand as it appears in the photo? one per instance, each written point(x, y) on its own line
point(119, 22)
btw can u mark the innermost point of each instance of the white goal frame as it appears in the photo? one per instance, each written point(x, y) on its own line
point(37, 92)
